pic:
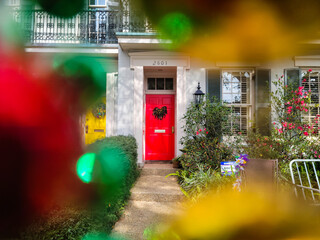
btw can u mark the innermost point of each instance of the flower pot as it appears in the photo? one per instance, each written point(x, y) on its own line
point(175, 164)
point(261, 173)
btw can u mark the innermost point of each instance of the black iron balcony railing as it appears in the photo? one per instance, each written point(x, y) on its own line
point(87, 27)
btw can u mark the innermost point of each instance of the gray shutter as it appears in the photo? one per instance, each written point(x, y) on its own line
point(214, 83)
point(262, 106)
point(292, 76)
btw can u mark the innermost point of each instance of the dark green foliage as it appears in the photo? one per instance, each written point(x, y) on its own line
point(212, 115)
point(72, 221)
point(205, 152)
point(198, 183)
point(129, 146)
point(204, 127)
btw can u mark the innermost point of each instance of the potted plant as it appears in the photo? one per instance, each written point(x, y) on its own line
point(176, 162)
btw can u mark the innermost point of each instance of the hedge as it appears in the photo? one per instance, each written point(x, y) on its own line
point(74, 222)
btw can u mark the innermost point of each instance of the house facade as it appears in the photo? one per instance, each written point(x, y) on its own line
point(148, 87)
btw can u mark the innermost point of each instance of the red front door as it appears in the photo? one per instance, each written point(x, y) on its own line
point(159, 130)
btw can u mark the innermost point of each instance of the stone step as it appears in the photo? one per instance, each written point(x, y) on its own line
point(157, 188)
point(140, 215)
point(158, 169)
point(156, 197)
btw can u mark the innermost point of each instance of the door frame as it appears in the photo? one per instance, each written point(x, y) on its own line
point(153, 72)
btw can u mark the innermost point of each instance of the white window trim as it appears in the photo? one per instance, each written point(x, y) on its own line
point(308, 115)
point(165, 73)
point(250, 97)
point(9, 3)
point(97, 6)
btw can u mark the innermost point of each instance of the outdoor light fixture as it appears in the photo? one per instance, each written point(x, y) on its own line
point(198, 95)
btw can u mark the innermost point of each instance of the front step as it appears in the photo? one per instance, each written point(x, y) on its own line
point(158, 169)
point(157, 187)
point(154, 198)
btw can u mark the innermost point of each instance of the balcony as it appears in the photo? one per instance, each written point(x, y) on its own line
point(87, 27)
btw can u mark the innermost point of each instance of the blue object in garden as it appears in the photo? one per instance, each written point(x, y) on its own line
point(229, 168)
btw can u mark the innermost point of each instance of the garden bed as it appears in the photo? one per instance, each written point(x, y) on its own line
point(73, 221)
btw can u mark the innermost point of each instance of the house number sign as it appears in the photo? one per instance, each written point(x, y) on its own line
point(160, 63)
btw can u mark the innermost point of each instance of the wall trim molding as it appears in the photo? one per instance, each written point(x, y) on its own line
point(159, 59)
point(307, 61)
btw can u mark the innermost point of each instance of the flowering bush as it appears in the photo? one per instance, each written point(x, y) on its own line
point(240, 164)
point(293, 136)
point(205, 152)
point(211, 115)
point(204, 126)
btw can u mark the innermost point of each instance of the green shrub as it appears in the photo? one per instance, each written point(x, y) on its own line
point(73, 221)
point(206, 153)
point(129, 147)
point(205, 124)
point(212, 115)
point(198, 183)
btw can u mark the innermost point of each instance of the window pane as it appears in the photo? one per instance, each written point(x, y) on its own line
point(227, 77)
point(235, 78)
point(169, 83)
point(227, 98)
point(101, 2)
point(235, 91)
point(226, 88)
point(98, 2)
point(151, 83)
point(236, 87)
point(160, 83)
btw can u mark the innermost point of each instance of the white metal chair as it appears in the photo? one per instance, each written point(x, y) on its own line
point(305, 174)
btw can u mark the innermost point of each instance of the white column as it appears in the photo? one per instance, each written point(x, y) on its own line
point(125, 93)
point(180, 106)
point(110, 104)
point(138, 111)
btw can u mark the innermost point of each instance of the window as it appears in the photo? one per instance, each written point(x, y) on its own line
point(236, 94)
point(311, 83)
point(12, 2)
point(97, 3)
point(160, 84)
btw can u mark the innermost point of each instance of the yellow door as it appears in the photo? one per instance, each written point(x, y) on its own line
point(95, 127)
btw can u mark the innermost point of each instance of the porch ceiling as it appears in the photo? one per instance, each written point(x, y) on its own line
point(141, 41)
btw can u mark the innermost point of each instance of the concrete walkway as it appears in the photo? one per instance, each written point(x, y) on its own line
point(153, 199)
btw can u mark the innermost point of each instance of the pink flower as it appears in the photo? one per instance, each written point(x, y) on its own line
point(197, 133)
point(206, 132)
point(315, 156)
point(315, 152)
point(271, 146)
point(310, 70)
point(306, 133)
point(304, 80)
point(300, 128)
point(274, 123)
point(200, 130)
point(204, 129)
